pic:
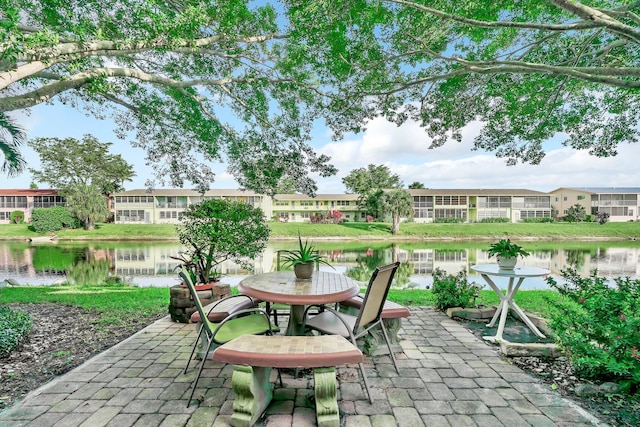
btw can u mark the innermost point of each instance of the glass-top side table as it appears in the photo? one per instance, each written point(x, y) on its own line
point(506, 300)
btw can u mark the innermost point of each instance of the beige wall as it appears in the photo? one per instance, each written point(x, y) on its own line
point(563, 198)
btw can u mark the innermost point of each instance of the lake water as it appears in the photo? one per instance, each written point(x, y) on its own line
point(150, 263)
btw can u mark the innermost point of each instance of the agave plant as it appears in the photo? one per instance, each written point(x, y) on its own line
point(306, 253)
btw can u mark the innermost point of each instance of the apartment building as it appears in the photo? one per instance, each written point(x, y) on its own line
point(622, 203)
point(26, 201)
point(473, 205)
point(165, 206)
point(303, 208)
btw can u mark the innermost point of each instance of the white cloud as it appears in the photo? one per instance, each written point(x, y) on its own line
point(454, 165)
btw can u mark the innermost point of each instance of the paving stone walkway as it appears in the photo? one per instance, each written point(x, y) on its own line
point(448, 377)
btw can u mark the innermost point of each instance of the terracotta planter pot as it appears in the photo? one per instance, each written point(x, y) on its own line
point(203, 286)
point(304, 270)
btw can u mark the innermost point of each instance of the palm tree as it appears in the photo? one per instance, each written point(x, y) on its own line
point(11, 137)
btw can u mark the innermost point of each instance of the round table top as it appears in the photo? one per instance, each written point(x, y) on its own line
point(283, 287)
point(518, 271)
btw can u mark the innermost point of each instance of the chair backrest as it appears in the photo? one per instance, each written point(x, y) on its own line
point(186, 279)
point(376, 295)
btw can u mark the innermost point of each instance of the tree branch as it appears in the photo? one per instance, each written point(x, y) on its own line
point(580, 25)
point(39, 59)
point(598, 17)
point(78, 80)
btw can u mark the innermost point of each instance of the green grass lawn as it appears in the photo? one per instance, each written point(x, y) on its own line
point(357, 230)
point(116, 304)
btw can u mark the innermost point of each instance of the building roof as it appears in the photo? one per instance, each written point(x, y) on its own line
point(29, 192)
point(602, 190)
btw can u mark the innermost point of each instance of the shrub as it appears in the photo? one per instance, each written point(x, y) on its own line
point(453, 291)
point(14, 328)
point(495, 220)
point(46, 220)
point(538, 220)
point(448, 220)
point(598, 325)
point(16, 217)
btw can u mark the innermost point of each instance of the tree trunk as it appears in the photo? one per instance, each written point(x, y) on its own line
point(88, 225)
point(396, 224)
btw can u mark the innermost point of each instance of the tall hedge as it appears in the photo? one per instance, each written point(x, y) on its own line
point(46, 220)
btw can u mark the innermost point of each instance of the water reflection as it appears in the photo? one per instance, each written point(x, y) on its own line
point(150, 263)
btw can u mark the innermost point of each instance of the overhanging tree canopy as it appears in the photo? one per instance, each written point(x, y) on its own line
point(197, 81)
point(232, 81)
point(527, 70)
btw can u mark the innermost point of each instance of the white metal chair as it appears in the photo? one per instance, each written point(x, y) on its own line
point(330, 321)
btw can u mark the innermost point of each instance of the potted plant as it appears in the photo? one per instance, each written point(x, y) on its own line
point(506, 253)
point(303, 260)
point(217, 230)
point(197, 270)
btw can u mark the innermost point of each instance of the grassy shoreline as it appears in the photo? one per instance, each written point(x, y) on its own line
point(359, 231)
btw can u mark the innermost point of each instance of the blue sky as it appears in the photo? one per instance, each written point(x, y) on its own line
point(403, 149)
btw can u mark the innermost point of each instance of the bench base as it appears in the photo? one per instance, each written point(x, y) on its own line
point(253, 357)
point(254, 393)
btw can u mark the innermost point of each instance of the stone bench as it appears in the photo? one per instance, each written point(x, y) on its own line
point(253, 357)
point(392, 313)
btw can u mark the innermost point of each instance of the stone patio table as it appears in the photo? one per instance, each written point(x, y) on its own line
point(283, 287)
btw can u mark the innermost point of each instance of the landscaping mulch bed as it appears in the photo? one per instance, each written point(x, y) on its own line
point(62, 337)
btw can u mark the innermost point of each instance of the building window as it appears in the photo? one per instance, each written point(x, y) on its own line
point(451, 213)
point(282, 203)
point(306, 203)
point(13, 201)
point(423, 201)
point(5, 216)
point(344, 202)
point(47, 201)
point(423, 213)
point(492, 213)
point(581, 197)
point(535, 214)
point(170, 215)
point(451, 200)
point(134, 199)
point(494, 202)
point(126, 215)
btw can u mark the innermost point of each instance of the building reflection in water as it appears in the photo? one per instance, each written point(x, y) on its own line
point(152, 265)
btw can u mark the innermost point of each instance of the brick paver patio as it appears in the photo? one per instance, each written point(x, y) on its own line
point(447, 377)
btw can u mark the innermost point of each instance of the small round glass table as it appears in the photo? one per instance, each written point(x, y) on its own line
point(506, 300)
